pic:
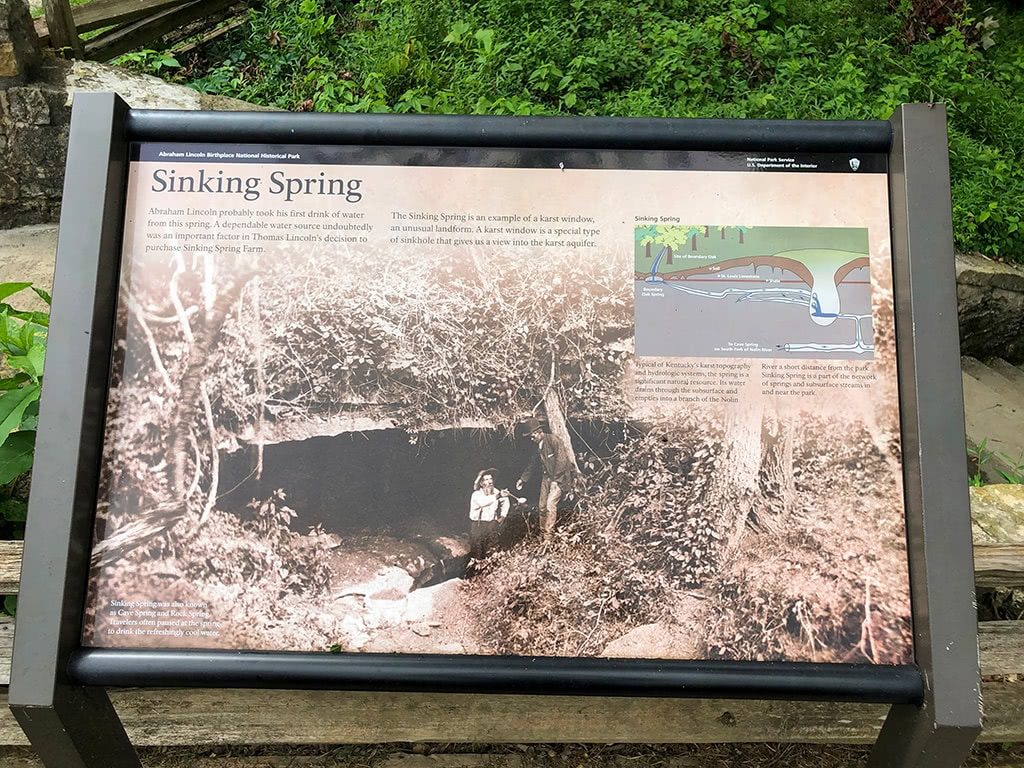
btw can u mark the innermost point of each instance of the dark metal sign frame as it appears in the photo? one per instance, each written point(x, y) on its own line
point(57, 689)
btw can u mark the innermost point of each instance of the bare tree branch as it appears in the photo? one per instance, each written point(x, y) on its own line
point(140, 316)
point(211, 498)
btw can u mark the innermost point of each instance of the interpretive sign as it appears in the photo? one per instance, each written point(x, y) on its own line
point(440, 404)
point(323, 352)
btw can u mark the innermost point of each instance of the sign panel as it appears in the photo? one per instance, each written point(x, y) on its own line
point(504, 402)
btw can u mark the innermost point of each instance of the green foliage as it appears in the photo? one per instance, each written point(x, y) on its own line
point(637, 536)
point(800, 59)
point(980, 455)
point(444, 345)
point(1015, 475)
point(147, 61)
point(22, 354)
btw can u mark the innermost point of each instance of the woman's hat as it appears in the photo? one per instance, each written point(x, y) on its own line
point(480, 477)
point(531, 426)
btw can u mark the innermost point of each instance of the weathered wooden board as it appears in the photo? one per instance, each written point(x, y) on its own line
point(995, 565)
point(111, 44)
point(10, 566)
point(6, 648)
point(1001, 644)
point(209, 37)
point(999, 565)
point(206, 717)
point(61, 23)
point(997, 511)
point(105, 13)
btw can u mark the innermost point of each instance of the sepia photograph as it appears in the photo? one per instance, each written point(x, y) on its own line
point(441, 427)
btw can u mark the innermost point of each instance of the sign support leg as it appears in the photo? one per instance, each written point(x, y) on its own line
point(938, 733)
point(68, 725)
point(910, 738)
point(81, 730)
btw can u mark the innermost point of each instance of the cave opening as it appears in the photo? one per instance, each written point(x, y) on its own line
point(390, 480)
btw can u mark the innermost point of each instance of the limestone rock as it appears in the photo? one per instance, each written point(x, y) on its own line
point(28, 105)
point(19, 54)
point(654, 641)
point(991, 308)
point(140, 91)
point(998, 514)
point(8, 60)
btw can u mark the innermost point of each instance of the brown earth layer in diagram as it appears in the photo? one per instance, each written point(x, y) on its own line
point(779, 262)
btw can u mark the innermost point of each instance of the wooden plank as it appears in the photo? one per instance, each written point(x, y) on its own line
point(1004, 712)
point(10, 566)
point(209, 37)
point(106, 13)
point(199, 717)
point(999, 565)
point(995, 565)
point(1001, 644)
point(112, 44)
point(60, 22)
point(6, 648)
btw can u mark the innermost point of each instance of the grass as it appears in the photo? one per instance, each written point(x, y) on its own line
point(788, 59)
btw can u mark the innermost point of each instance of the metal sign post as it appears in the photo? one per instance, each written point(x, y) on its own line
point(58, 685)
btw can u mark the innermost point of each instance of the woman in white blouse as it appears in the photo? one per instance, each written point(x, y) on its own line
point(487, 508)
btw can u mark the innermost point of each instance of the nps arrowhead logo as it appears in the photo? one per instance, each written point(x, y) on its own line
point(854, 163)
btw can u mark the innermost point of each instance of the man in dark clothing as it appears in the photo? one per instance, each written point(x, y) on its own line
point(557, 473)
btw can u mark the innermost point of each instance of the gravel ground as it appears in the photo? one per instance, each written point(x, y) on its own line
point(526, 756)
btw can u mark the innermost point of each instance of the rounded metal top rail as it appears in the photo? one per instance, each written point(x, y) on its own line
point(864, 683)
point(496, 131)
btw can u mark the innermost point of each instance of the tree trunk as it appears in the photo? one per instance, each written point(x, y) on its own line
point(693, 242)
point(668, 254)
point(189, 396)
point(735, 492)
point(647, 250)
point(261, 385)
point(776, 476)
point(741, 237)
point(61, 26)
point(558, 424)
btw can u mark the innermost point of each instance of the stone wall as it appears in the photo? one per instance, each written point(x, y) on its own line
point(991, 298)
point(36, 91)
point(18, 52)
point(34, 121)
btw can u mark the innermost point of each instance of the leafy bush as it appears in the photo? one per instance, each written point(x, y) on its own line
point(22, 352)
point(650, 533)
point(638, 535)
point(147, 61)
point(832, 59)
